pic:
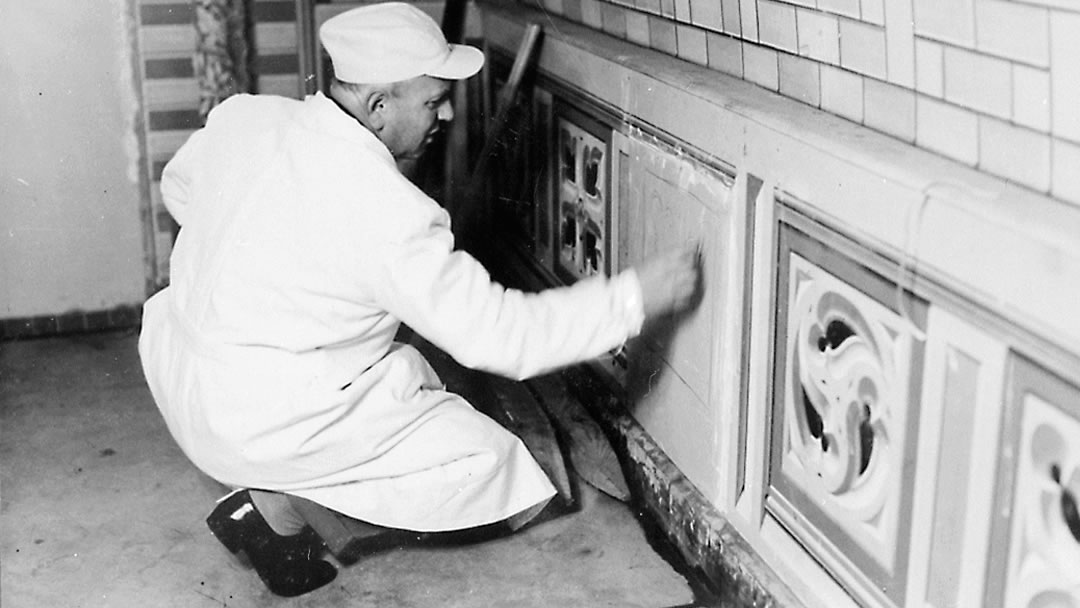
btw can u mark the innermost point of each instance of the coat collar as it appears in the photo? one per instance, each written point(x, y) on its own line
point(332, 119)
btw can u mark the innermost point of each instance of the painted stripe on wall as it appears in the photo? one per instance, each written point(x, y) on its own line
point(277, 64)
point(164, 120)
point(166, 14)
point(156, 168)
point(176, 67)
point(265, 12)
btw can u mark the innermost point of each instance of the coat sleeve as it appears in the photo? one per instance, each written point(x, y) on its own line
point(176, 178)
point(449, 298)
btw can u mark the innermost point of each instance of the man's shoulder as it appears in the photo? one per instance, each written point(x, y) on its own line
point(246, 109)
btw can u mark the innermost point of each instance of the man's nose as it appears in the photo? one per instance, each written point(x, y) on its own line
point(446, 111)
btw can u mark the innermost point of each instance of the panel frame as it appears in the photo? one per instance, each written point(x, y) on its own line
point(1031, 386)
point(603, 131)
point(947, 332)
point(871, 275)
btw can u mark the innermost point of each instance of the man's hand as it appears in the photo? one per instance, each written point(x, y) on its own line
point(669, 281)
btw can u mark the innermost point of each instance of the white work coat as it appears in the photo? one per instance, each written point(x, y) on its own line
point(271, 354)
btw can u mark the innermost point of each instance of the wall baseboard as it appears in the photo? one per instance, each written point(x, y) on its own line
point(75, 322)
point(721, 560)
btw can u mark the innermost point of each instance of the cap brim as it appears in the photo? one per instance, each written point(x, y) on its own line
point(464, 61)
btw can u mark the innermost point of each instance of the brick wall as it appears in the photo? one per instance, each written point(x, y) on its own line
point(994, 84)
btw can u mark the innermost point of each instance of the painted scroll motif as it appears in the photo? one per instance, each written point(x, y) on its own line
point(1044, 555)
point(845, 423)
point(583, 202)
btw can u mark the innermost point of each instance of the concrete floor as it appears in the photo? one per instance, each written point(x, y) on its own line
point(98, 507)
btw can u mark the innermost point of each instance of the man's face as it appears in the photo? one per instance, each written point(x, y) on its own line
point(415, 114)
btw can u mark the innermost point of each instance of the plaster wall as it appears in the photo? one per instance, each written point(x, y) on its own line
point(71, 231)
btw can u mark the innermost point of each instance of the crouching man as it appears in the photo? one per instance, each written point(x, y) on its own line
point(302, 249)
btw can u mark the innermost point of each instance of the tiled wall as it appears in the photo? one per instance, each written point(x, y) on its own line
point(881, 432)
point(166, 38)
point(994, 84)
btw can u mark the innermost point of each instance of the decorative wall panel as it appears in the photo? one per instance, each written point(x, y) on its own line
point(1040, 494)
point(960, 422)
point(847, 378)
point(584, 195)
point(673, 202)
point(683, 367)
point(875, 458)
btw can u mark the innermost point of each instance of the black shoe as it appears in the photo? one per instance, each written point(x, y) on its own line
point(288, 565)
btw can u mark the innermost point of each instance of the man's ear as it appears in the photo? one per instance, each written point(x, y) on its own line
point(375, 106)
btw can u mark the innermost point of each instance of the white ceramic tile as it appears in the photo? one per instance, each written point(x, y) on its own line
point(776, 25)
point(889, 108)
point(900, 43)
point(692, 45)
point(748, 16)
point(1069, 5)
point(946, 20)
point(819, 35)
point(732, 21)
point(707, 13)
point(1065, 75)
point(800, 79)
point(848, 8)
point(682, 11)
point(1014, 31)
point(760, 65)
point(929, 67)
point(1066, 171)
point(842, 93)
point(637, 28)
point(725, 54)
point(591, 15)
point(1031, 97)
point(662, 35)
point(873, 11)
point(977, 81)
point(1015, 153)
point(862, 48)
point(947, 129)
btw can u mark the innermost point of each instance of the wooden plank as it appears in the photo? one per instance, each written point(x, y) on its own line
point(468, 214)
point(591, 453)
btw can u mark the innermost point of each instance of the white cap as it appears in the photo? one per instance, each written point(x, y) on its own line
point(392, 42)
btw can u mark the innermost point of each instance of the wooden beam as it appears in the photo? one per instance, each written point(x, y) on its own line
point(469, 214)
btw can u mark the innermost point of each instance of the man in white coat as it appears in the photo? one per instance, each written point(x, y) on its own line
point(302, 248)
